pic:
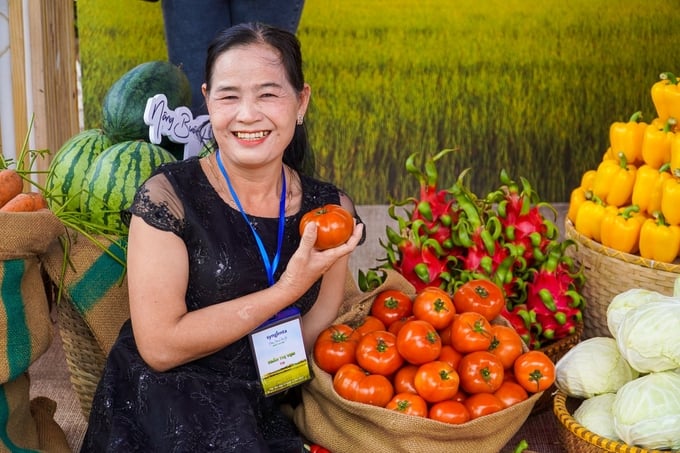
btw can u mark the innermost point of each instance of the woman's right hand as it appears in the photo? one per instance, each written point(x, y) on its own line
point(308, 264)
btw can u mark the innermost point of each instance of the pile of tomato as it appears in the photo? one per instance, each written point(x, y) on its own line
point(435, 355)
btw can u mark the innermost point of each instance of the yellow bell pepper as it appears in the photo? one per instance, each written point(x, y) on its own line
point(659, 241)
point(621, 230)
point(656, 144)
point(614, 181)
point(666, 97)
point(587, 179)
point(626, 138)
point(670, 199)
point(576, 199)
point(648, 187)
point(675, 153)
point(589, 218)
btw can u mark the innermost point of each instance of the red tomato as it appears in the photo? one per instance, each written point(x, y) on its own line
point(449, 411)
point(377, 353)
point(369, 324)
point(334, 225)
point(418, 342)
point(481, 404)
point(409, 404)
point(510, 393)
point(434, 305)
point(481, 296)
point(470, 332)
point(534, 371)
point(480, 372)
point(451, 356)
point(355, 384)
point(391, 305)
point(403, 379)
point(506, 344)
point(436, 381)
point(398, 324)
point(335, 346)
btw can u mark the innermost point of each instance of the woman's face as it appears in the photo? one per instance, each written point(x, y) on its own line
point(253, 108)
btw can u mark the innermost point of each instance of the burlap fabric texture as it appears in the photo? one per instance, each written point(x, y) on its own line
point(25, 332)
point(344, 426)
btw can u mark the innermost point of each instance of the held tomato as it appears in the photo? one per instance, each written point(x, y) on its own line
point(403, 379)
point(434, 305)
point(418, 342)
point(481, 296)
point(506, 344)
point(480, 372)
point(449, 411)
point(334, 225)
point(335, 346)
point(534, 371)
point(377, 353)
point(470, 332)
point(369, 324)
point(510, 393)
point(482, 404)
point(436, 381)
point(355, 384)
point(409, 404)
point(391, 305)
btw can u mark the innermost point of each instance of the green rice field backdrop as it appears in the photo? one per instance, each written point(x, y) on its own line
point(528, 86)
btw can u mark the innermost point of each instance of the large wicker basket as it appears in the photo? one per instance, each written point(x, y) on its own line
point(84, 357)
point(609, 272)
point(575, 438)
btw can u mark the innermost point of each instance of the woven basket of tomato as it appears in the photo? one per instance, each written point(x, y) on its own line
point(406, 370)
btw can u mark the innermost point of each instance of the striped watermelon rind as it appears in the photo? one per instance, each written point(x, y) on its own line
point(113, 180)
point(125, 101)
point(67, 169)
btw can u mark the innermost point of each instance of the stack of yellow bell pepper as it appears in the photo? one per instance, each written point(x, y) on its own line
point(631, 201)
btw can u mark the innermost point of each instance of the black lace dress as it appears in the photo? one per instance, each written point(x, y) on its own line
point(215, 403)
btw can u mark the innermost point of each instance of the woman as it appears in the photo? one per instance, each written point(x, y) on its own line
point(182, 376)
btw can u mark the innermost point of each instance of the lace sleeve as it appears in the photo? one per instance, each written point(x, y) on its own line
point(157, 204)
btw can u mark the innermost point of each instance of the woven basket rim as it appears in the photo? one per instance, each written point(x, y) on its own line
point(566, 343)
point(573, 234)
point(568, 422)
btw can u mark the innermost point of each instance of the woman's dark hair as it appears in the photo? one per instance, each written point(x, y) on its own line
point(298, 154)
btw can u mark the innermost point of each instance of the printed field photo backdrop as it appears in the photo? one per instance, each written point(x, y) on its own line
point(528, 86)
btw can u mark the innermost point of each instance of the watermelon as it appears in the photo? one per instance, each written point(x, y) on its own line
point(125, 101)
point(113, 179)
point(66, 172)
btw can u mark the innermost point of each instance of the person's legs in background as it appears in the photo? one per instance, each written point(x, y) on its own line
point(189, 28)
point(279, 13)
point(191, 25)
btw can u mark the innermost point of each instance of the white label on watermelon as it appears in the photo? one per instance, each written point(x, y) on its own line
point(178, 125)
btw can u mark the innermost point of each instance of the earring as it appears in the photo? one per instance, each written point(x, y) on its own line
point(300, 120)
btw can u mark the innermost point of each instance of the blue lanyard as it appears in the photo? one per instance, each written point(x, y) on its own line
point(269, 266)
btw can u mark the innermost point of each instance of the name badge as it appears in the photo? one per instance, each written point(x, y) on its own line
point(279, 352)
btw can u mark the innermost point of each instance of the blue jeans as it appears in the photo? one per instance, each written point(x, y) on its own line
point(190, 26)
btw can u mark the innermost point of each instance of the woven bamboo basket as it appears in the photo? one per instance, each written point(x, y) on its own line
point(556, 351)
point(609, 272)
point(84, 357)
point(575, 438)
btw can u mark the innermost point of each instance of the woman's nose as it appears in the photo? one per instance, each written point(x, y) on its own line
point(248, 111)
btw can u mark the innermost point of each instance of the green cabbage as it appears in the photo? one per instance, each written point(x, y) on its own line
point(592, 367)
point(647, 411)
point(649, 335)
point(622, 302)
point(595, 414)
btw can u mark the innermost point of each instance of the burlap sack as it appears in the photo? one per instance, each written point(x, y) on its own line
point(92, 281)
point(25, 325)
point(28, 426)
point(344, 426)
